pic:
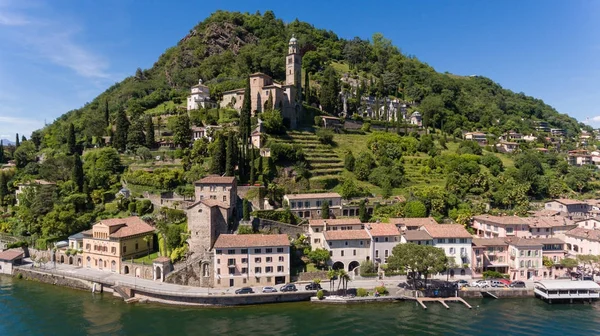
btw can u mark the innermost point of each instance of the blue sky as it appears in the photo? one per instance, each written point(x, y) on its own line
point(57, 55)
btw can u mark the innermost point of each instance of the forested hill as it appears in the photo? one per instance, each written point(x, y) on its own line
point(226, 47)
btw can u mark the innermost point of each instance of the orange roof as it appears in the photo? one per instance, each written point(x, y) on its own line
point(383, 229)
point(10, 255)
point(312, 196)
point(413, 221)
point(251, 240)
point(338, 221)
point(584, 233)
point(567, 201)
point(447, 231)
point(210, 203)
point(548, 222)
point(346, 235)
point(217, 179)
point(500, 220)
point(412, 235)
point(489, 242)
point(130, 226)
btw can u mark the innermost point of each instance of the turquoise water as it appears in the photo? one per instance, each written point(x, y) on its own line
point(29, 308)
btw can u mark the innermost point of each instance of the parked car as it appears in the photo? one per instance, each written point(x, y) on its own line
point(313, 286)
point(517, 284)
point(269, 289)
point(480, 283)
point(244, 290)
point(288, 288)
point(461, 283)
point(588, 277)
point(497, 283)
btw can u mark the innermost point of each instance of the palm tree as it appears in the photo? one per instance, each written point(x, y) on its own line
point(331, 274)
point(147, 239)
point(344, 278)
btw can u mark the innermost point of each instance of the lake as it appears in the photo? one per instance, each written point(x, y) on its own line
point(30, 308)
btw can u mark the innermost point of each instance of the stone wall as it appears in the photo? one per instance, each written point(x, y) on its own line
point(198, 273)
point(142, 271)
point(310, 276)
point(54, 279)
point(500, 293)
point(224, 300)
point(289, 229)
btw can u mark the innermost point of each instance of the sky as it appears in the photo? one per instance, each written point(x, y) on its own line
point(56, 55)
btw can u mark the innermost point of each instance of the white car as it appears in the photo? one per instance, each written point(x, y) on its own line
point(480, 283)
point(269, 289)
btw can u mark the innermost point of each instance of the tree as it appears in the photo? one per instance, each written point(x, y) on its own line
point(119, 140)
point(547, 262)
point(219, 159)
point(273, 122)
point(182, 134)
point(569, 263)
point(230, 155)
point(135, 136)
point(25, 154)
point(17, 141)
point(587, 259)
point(330, 90)
point(245, 114)
point(143, 153)
point(325, 210)
point(331, 275)
point(71, 141)
point(364, 164)
point(1, 152)
point(149, 132)
point(106, 114)
point(367, 267)
point(77, 173)
point(363, 215)
point(147, 239)
point(415, 209)
point(246, 209)
point(307, 87)
point(350, 189)
point(417, 259)
point(349, 161)
point(3, 188)
point(319, 257)
point(252, 178)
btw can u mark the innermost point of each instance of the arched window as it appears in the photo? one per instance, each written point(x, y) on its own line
point(205, 270)
point(522, 263)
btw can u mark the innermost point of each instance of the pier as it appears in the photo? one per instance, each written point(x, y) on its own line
point(566, 290)
point(422, 300)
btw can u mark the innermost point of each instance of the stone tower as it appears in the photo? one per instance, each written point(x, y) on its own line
point(293, 64)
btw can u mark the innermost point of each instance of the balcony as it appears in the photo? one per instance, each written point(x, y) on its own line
point(463, 254)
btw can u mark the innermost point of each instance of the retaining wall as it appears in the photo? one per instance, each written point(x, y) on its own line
point(222, 300)
point(54, 279)
point(500, 293)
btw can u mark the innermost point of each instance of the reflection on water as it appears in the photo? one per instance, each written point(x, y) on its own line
point(29, 308)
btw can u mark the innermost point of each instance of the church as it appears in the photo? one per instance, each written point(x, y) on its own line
point(266, 94)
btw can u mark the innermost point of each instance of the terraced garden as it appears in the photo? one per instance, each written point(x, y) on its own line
point(323, 160)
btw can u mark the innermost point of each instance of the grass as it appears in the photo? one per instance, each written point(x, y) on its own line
point(147, 259)
point(162, 108)
point(340, 67)
point(356, 143)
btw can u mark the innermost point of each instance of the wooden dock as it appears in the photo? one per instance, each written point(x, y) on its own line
point(422, 300)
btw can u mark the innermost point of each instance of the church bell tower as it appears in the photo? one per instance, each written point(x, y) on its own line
point(293, 64)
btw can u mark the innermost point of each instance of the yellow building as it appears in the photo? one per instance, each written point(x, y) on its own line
point(112, 240)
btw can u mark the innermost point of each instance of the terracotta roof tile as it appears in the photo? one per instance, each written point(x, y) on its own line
point(130, 226)
point(312, 196)
point(217, 179)
point(489, 241)
point(251, 240)
point(210, 203)
point(413, 221)
point(10, 255)
point(567, 201)
point(346, 235)
point(584, 233)
point(447, 231)
point(383, 229)
point(412, 235)
point(548, 222)
point(500, 220)
point(334, 222)
point(521, 242)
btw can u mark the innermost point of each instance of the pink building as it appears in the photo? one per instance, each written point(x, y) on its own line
point(251, 260)
point(569, 207)
point(526, 258)
point(583, 241)
point(487, 226)
point(490, 254)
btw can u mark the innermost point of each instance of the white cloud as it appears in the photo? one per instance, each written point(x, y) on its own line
point(592, 120)
point(20, 121)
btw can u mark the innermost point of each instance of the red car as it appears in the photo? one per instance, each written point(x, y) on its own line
point(504, 281)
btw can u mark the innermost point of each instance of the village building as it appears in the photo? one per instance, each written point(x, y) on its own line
point(480, 138)
point(9, 259)
point(419, 237)
point(384, 236)
point(525, 258)
point(251, 260)
point(347, 248)
point(416, 119)
point(582, 241)
point(21, 187)
point(309, 205)
point(110, 241)
point(406, 224)
point(207, 132)
point(200, 97)
point(549, 227)
point(266, 94)
point(588, 223)
point(577, 159)
point(456, 242)
point(490, 254)
point(507, 146)
point(568, 207)
point(487, 226)
point(317, 228)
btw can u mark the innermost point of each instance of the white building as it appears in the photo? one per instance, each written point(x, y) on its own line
point(347, 248)
point(199, 97)
point(454, 239)
point(583, 241)
point(309, 205)
point(385, 236)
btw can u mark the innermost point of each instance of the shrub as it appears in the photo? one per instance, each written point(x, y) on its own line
point(349, 161)
point(320, 294)
point(144, 207)
point(361, 292)
point(21, 243)
point(245, 229)
point(492, 274)
point(381, 290)
point(317, 121)
point(367, 267)
point(366, 127)
point(325, 136)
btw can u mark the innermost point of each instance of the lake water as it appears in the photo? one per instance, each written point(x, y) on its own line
point(30, 308)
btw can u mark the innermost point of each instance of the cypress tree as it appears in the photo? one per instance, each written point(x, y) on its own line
point(306, 87)
point(245, 114)
point(17, 143)
point(362, 212)
point(230, 160)
point(246, 209)
point(182, 135)
point(71, 142)
point(106, 113)
point(135, 136)
point(252, 171)
point(23, 138)
point(218, 157)
point(119, 140)
point(77, 172)
point(1, 152)
point(260, 166)
point(325, 210)
point(3, 188)
point(149, 130)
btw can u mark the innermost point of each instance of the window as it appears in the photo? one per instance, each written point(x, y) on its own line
point(316, 240)
point(224, 188)
point(451, 241)
point(113, 250)
point(451, 251)
point(293, 205)
point(441, 241)
point(376, 253)
point(269, 250)
point(318, 203)
point(244, 271)
point(280, 249)
point(463, 250)
point(218, 261)
point(522, 264)
point(269, 269)
point(529, 253)
point(231, 262)
point(463, 240)
point(219, 251)
point(376, 239)
point(385, 254)
point(257, 270)
point(280, 269)
point(244, 260)
point(87, 246)
point(509, 230)
point(224, 198)
point(230, 251)
point(257, 260)
point(331, 253)
point(231, 270)
point(522, 253)
point(342, 253)
point(257, 250)
point(537, 253)
point(124, 249)
point(346, 243)
point(501, 249)
point(244, 251)
point(282, 258)
point(269, 259)
point(307, 204)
